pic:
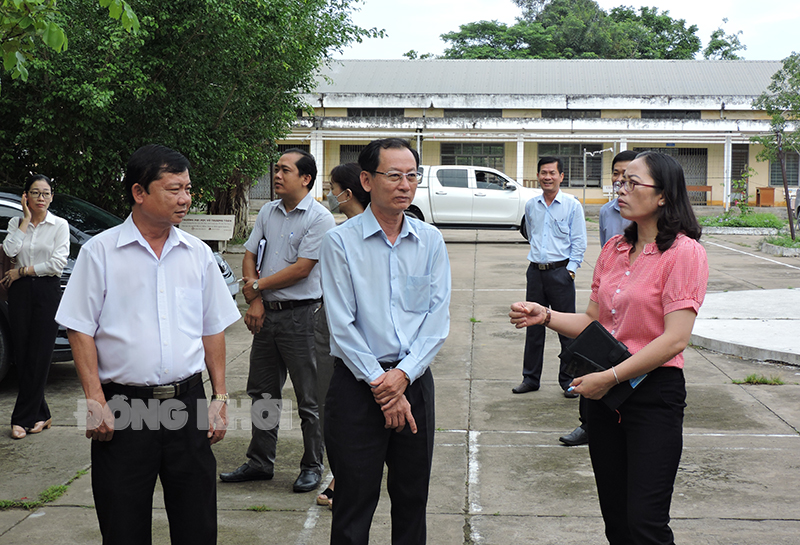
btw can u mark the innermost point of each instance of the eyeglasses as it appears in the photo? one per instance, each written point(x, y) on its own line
point(35, 194)
point(395, 176)
point(629, 185)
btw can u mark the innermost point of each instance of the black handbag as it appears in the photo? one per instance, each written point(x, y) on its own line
point(595, 349)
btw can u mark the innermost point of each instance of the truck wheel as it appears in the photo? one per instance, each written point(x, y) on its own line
point(523, 230)
point(414, 213)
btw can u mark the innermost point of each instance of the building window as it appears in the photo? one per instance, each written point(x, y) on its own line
point(348, 153)
point(792, 171)
point(570, 114)
point(376, 112)
point(670, 114)
point(572, 156)
point(474, 154)
point(472, 112)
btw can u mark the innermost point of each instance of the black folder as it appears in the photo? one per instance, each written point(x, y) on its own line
point(595, 349)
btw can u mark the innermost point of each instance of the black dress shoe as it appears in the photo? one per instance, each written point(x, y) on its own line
point(524, 388)
point(307, 481)
point(245, 473)
point(571, 395)
point(578, 436)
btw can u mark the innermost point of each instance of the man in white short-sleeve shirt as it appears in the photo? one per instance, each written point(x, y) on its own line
point(146, 309)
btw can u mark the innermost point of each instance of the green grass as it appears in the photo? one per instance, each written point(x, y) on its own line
point(474, 320)
point(760, 379)
point(756, 219)
point(783, 240)
point(49, 495)
point(259, 508)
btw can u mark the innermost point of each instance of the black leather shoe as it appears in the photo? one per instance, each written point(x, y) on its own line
point(571, 395)
point(578, 436)
point(524, 388)
point(245, 473)
point(307, 481)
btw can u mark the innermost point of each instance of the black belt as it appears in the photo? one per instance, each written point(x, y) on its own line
point(385, 365)
point(165, 391)
point(286, 305)
point(548, 266)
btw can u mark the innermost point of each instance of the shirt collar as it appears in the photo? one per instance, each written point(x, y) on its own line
point(615, 204)
point(304, 204)
point(624, 246)
point(49, 217)
point(129, 233)
point(370, 225)
point(557, 198)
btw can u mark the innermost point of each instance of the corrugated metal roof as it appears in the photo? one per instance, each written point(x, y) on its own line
point(549, 77)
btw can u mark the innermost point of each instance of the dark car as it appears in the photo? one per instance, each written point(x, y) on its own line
point(85, 220)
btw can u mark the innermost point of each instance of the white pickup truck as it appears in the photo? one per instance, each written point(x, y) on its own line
point(469, 197)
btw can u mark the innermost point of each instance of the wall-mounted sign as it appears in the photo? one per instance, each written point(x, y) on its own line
point(209, 227)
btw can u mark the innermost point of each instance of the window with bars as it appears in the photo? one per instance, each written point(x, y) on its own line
point(670, 114)
point(572, 156)
point(473, 112)
point(792, 171)
point(570, 114)
point(375, 112)
point(348, 153)
point(474, 154)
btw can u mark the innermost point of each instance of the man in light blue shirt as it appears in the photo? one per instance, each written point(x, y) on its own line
point(611, 222)
point(557, 234)
point(386, 283)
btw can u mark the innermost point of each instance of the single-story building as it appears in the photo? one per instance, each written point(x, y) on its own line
point(506, 114)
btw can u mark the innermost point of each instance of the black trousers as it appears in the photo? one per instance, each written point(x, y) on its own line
point(32, 305)
point(553, 288)
point(635, 455)
point(359, 445)
point(124, 472)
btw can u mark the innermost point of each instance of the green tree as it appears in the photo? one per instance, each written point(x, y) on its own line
point(218, 80)
point(22, 21)
point(781, 101)
point(576, 29)
point(723, 46)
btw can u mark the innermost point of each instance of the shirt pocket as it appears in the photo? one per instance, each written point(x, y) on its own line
point(190, 311)
point(417, 294)
point(293, 248)
point(561, 230)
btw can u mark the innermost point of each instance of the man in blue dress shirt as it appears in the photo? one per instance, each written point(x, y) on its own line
point(557, 234)
point(611, 224)
point(386, 283)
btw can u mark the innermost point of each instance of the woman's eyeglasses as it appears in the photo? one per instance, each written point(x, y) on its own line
point(629, 185)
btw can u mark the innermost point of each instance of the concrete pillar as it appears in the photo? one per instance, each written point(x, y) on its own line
point(520, 159)
point(317, 148)
point(726, 173)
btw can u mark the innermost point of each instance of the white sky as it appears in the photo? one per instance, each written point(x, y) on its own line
point(770, 27)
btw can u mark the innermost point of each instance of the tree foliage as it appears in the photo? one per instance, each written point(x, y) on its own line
point(781, 101)
point(218, 80)
point(723, 46)
point(22, 21)
point(576, 29)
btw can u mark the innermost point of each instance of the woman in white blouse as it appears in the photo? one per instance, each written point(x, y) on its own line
point(39, 243)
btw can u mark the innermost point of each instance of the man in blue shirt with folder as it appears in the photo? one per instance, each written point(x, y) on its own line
point(386, 282)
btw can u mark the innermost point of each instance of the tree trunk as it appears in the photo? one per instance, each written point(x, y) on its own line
point(231, 199)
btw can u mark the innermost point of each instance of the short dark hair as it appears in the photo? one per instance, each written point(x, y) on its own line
point(37, 178)
point(306, 164)
point(348, 176)
point(370, 156)
point(547, 160)
point(626, 155)
point(677, 215)
point(148, 164)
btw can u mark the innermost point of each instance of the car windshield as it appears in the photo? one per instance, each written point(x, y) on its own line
point(82, 215)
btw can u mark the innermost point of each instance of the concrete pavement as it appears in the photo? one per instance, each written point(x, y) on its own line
point(500, 475)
